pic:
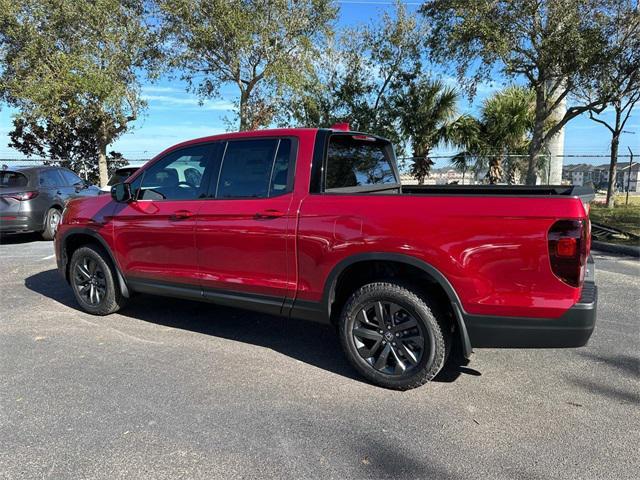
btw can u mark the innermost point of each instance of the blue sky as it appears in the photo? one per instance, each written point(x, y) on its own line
point(174, 115)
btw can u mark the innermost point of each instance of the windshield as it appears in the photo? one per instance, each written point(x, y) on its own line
point(120, 176)
point(13, 179)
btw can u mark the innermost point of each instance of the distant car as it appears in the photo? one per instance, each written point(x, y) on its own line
point(119, 176)
point(32, 198)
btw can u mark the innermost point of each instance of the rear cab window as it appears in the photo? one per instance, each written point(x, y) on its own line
point(356, 162)
point(10, 179)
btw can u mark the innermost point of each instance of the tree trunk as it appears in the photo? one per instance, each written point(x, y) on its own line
point(495, 170)
point(615, 141)
point(245, 122)
point(421, 165)
point(103, 169)
point(535, 147)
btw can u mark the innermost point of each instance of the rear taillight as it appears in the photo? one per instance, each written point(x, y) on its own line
point(21, 196)
point(568, 250)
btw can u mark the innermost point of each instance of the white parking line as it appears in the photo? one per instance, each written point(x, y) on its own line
point(49, 257)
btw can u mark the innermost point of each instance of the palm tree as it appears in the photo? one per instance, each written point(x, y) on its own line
point(504, 127)
point(427, 111)
point(508, 117)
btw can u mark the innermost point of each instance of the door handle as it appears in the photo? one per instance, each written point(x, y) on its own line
point(181, 215)
point(270, 213)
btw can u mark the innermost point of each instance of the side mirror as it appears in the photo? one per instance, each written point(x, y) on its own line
point(121, 193)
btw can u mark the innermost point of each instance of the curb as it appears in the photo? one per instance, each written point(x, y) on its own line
point(629, 250)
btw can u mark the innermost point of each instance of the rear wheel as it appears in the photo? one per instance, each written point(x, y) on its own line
point(51, 222)
point(391, 335)
point(93, 281)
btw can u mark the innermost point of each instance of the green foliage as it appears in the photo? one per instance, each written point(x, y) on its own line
point(504, 128)
point(427, 110)
point(73, 66)
point(264, 48)
point(555, 45)
point(62, 143)
point(356, 78)
point(620, 81)
point(624, 217)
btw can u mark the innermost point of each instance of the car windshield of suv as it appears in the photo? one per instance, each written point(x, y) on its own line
point(358, 161)
point(13, 179)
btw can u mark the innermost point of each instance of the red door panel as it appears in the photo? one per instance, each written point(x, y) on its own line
point(243, 245)
point(155, 240)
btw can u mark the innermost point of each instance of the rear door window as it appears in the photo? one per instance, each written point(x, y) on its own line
point(13, 179)
point(257, 168)
point(358, 161)
point(50, 178)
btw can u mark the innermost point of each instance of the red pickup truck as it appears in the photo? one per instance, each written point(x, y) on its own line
point(314, 224)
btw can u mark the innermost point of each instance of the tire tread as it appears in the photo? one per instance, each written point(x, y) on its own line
point(407, 293)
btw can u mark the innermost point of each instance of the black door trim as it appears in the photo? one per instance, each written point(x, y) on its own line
point(259, 303)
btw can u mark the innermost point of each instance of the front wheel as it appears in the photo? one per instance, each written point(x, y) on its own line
point(93, 281)
point(392, 337)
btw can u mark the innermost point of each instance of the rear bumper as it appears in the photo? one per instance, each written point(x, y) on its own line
point(573, 329)
point(20, 222)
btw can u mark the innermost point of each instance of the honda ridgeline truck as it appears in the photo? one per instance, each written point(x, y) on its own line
point(314, 224)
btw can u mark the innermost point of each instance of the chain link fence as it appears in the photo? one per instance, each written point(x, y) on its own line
point(84, 169)
point(577, 169)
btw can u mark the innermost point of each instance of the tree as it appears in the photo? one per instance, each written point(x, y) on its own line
point(427, 111)
point(502, 131)
point(75, 63)
point(262, 47)
point(70, 145)
point(357, 76)
point(620, 83)
point(556, 45)
point(508, 119)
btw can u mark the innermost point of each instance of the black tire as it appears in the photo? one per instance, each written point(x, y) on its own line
point(51, 222)
point(90, 271)
point(406, 365)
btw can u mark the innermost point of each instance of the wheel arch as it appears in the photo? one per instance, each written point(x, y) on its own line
point(352, 263)
point(78, 237)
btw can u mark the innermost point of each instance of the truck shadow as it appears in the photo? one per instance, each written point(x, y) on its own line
point(18, 238)
point(307, 342)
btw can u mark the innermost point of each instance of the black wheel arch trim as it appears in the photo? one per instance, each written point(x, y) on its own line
point(96, 236)
point(322, 312)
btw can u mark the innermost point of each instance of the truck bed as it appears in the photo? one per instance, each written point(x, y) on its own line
point(585, 193)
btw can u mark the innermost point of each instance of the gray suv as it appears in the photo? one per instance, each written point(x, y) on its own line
point(32, 198)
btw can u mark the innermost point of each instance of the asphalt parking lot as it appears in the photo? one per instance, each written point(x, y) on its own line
point(175, 389)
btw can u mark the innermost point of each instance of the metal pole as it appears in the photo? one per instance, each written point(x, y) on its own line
point(629, 177)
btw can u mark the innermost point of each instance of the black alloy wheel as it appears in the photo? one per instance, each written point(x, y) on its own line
point(94, 282)
point(89, 280)
point(389, 338)
point(394, 335)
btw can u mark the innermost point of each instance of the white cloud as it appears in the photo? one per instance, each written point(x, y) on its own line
point(159, 89)
point(168, 101)
point(147, 141)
